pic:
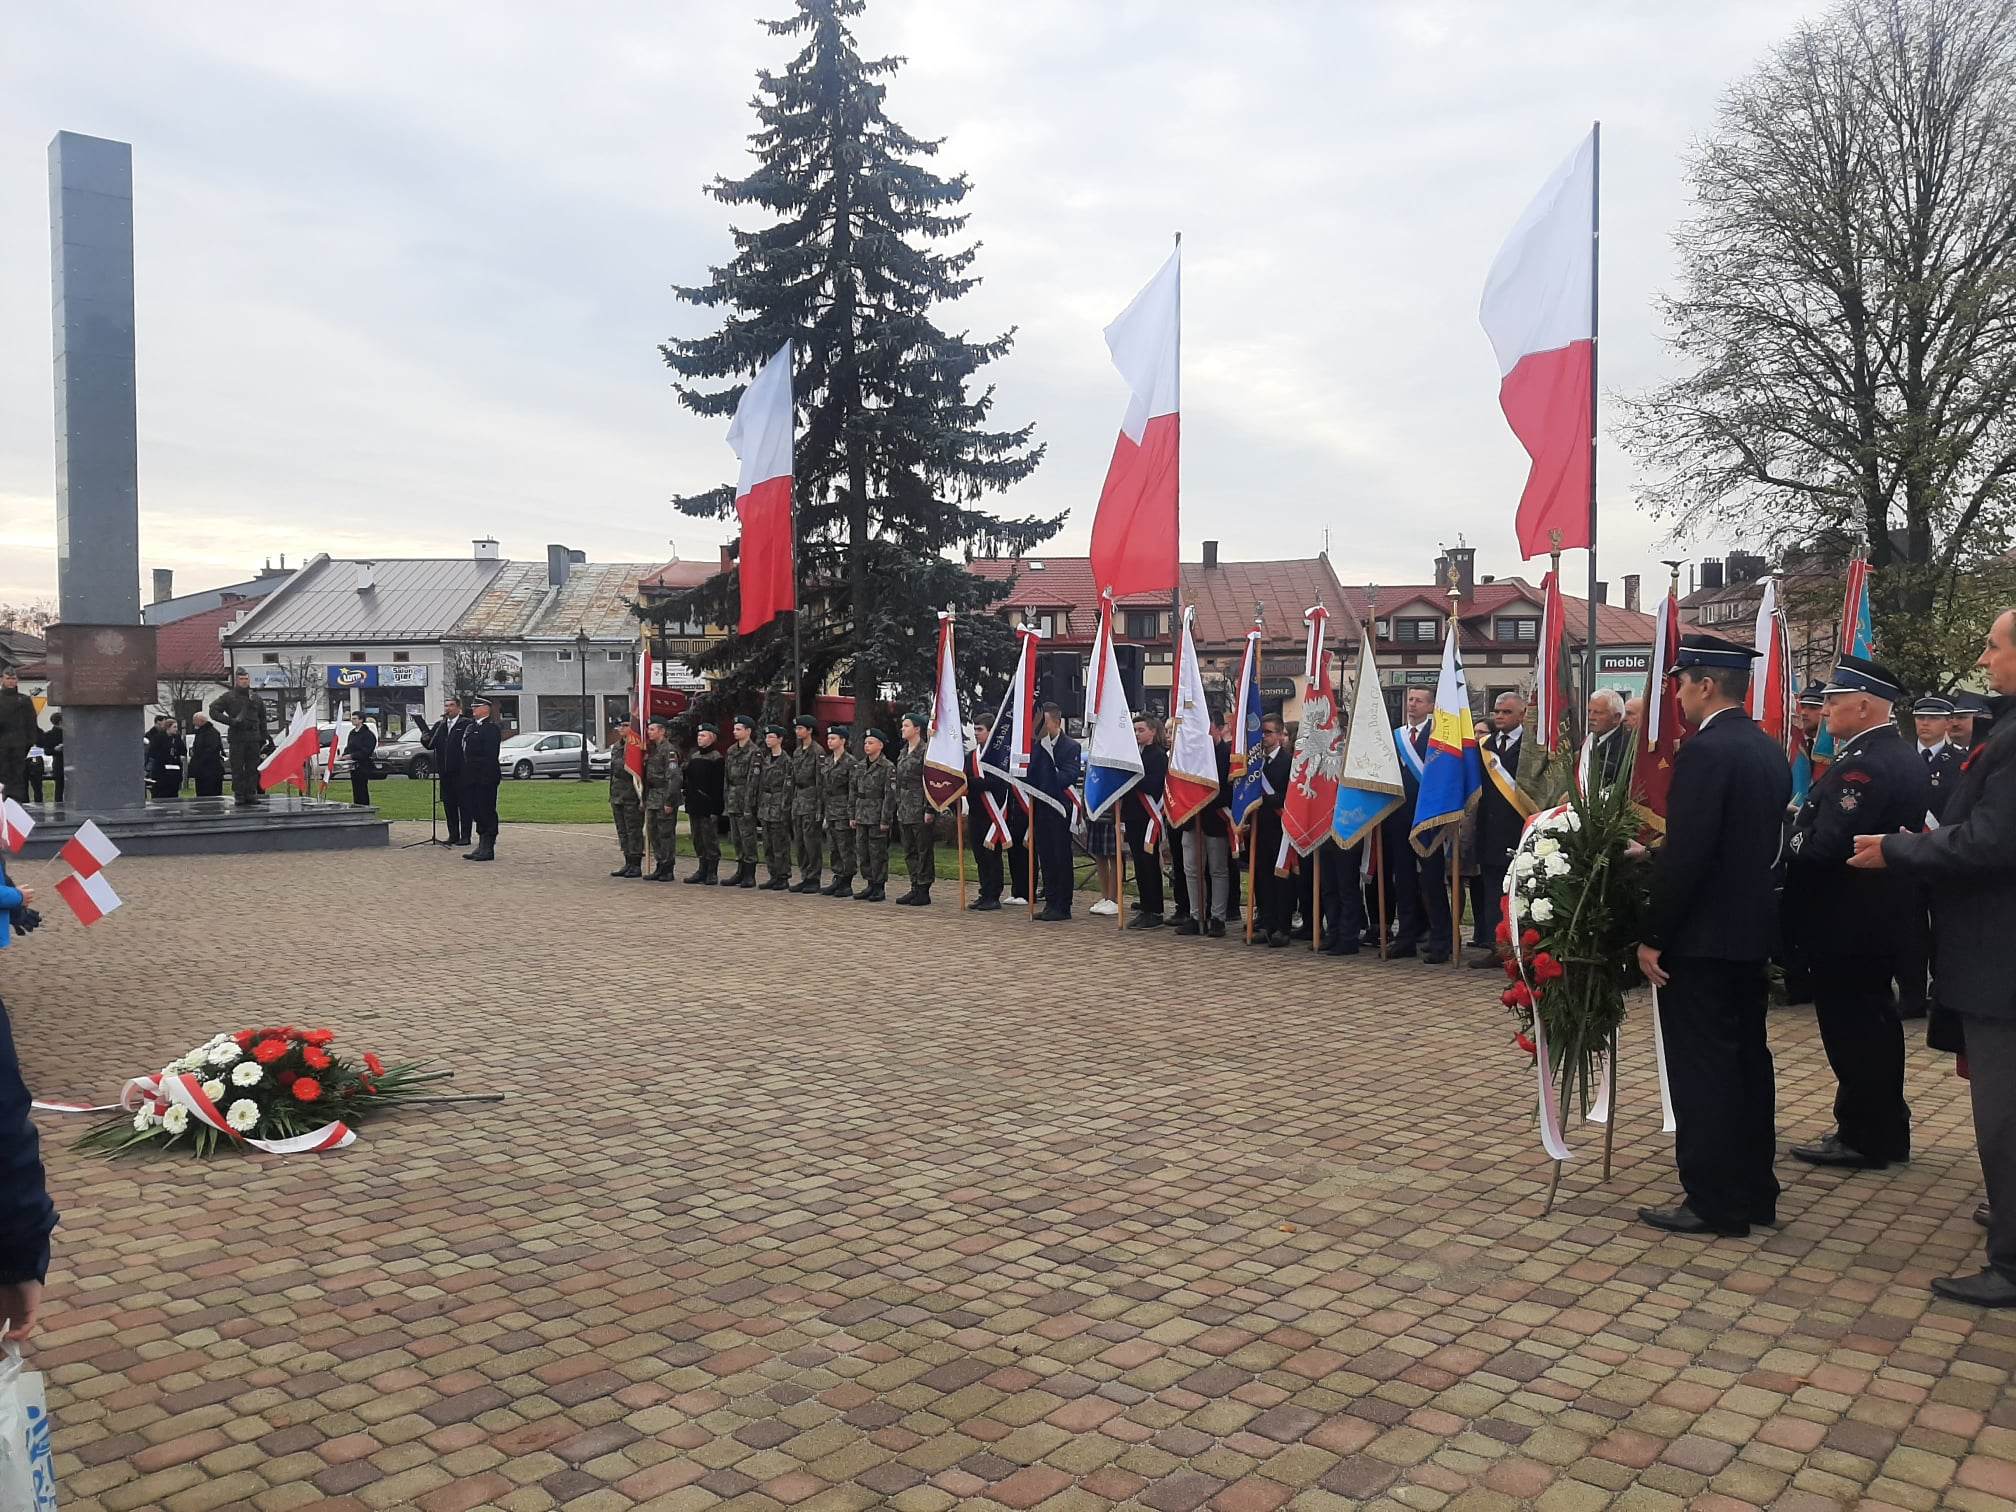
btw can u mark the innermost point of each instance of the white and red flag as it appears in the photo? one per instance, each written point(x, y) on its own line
point(945, 750)
point(633, 749)
point(1661, 726)
point(89, 851)
point(1311, 803)
point(298, 745)
point(1539, 310)
point(761, 435)
point(90, 898)
point(1553, 697)
point(1134, 531)
point(16, 825)
point(1771, 690)
point(1192, 781)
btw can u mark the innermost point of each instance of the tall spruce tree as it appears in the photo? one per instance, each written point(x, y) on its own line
point(894, 454)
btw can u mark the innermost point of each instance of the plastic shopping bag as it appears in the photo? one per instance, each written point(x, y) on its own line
point(27, 1458)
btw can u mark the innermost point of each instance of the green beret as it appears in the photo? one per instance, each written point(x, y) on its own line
point(707, 729)
point(661, 721)
point(775, 729)
point(744, 721)
point(922, 721)
point(843, 731)
point(806, 722)
point(871, 733)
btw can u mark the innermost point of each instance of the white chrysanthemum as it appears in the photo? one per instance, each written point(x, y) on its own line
point(1546, 846)
point(224, 1054)
point(1571, 821)
point(176, 1119)
point(1523, 864)
point(213, 1090)
point(143, 1120)
point(242, 1114)
point(1543, 910)
point(246, 1074)
point(1556, 865)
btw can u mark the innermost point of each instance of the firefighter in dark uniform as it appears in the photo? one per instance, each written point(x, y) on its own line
point(626, 804)
point(482, 738)
point(741, 768)
point(1932, 716)
point(911, 813)
point(243, 715)
point(1708, 938)
point(836, 811)
point(808, 802)
point(1852, 925)
point(874, 782)
point(663, 791)
point(705, 800)
point(774, 794)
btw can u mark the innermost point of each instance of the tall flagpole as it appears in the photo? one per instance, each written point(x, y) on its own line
point(1595, 259)
point(1176, 588)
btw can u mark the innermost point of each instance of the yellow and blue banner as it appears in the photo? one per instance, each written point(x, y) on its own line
point(1453, 771)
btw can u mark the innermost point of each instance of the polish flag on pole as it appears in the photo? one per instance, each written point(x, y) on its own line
point(1134, 531)
point(90, 898)
point(1192, 781)
point(16, 825)
point(1771, 683)
point(89, 851)
point(945, 751)
point(1662, 726)
point(761, 436)
point(298, 746)
point(1539, 310)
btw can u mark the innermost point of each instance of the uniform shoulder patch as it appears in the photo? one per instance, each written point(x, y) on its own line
point(1850, 800)
point(1852, 774)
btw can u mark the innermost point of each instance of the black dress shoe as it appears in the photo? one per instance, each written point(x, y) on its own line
point(1338, 950)
point(1145, 921)
point(985, 905)
point(1053, 916)
point(632, 870)
point(1215, 928)
point(1434, 957)
point(1990, 1288)
point(1832, 1152)
point(1684, 1220)
point(1401, 952)
point(1981, 1214)
point(1187, 927)
point(1278, 941)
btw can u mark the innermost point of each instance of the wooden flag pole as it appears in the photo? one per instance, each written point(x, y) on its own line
point(959, 829)
point(1029, 845)
point(1379, 861)
point(1119, 871)
point(1456, 895)
point(1252, 878)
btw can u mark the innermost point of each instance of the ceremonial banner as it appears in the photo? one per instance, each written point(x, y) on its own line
point(1660, 729)
point(1369, 785)
point(1539, 310)
point(298, 745)
point(1134, 530)
point(1771, 690)
point(1310, 806)
point(1192, 781)
point(1249, 781)
point(633, 753)
point(1112, 759)
point(1453, 772)
point(945, 752)
point(1554, 679)
point(761, 435)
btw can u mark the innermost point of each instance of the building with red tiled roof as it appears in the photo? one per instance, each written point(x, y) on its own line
point(1499, 623)
point(190, 661)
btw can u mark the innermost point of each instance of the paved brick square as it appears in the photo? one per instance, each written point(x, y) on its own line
point(817, 1204)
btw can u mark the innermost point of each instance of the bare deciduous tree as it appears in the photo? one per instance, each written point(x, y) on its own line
point(1848, 314)
point(475, 666)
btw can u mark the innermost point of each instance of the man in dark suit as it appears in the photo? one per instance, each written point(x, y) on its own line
point(482, 738)
point(1055, 768)
point(1970, 863)
point(1274, 897)
point(1135, 815)
point(1499, 825)
point(1851, 927)
point(358, 750)
point(1419, 885)
point(1932, 717)
point(1608, 740)
point(1708, 937)
point(445, 741)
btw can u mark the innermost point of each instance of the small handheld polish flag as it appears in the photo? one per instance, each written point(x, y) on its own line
point(90, 897)
point(16, 825)
point(89, 851)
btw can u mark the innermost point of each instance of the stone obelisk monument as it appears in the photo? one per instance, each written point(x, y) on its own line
point(104, 657)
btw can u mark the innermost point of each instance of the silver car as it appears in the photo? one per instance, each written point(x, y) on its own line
point(540, 753)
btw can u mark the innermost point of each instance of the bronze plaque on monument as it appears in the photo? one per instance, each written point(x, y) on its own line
point(110, 665)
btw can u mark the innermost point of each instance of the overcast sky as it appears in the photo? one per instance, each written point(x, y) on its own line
point(403, 269)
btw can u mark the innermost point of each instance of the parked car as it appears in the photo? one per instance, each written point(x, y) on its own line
point(598, 762)
point(405, 756)
point(541, 753)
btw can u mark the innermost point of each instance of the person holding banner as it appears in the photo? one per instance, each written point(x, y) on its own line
point(1207, 850)
point(1141, 816)
point(1708, 937)
point(911, 813)
point(1056, 766)
point(990, 800)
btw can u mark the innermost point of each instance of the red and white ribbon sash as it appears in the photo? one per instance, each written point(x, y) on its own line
point(159, 1093)
point(1151, 834)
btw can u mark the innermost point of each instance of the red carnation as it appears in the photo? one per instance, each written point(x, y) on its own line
point(317, 1060)
point(1546, 968)
point(244, 1037)
point(288, 1032)
point(1512, 969)
point(1530, 938)
point(1522, 996)
point(319, 1036)
point(1504, 932)
point(268, 1051)
point(306, 1089)
point(1508, 998)
point(1524, 1044)
point(374, 1065)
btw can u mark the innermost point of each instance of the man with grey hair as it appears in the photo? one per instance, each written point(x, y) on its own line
point(1603, 748)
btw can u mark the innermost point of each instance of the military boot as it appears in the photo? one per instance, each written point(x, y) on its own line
point(809, 885)
point(909, 899)
point(667, 871)
point(630, 869)
point(862, 896)
point(699, 874)
point(923, 895)
point(486, 849)
point(745, 876)
point(876, 894)
point(843, 887)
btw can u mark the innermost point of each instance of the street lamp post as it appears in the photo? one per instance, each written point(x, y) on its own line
point(581, 658)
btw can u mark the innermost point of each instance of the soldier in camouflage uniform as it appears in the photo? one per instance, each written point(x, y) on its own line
point(873, 781)
point(836, 782)
point(243, 716)
point(663, 789)
point(742, 762)
point(907, 807)
point(626, 804)
point(774, 809)
point(704, 804)
point(808, 822)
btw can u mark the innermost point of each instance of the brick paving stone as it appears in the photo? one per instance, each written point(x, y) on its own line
point(860, 1249)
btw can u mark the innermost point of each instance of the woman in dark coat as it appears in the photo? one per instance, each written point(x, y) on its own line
point(357, 751)
point(206, 758)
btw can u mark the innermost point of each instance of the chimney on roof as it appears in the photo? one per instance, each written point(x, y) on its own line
point(1210, 556)
point(1602, 592)
point(1711, 574)
point(1462, 560)
point(164, 584)
point(486, 549)
point(1744, 568)
point(559, 561)
point(366, 579)
point(1631, 591)
point(727, 556)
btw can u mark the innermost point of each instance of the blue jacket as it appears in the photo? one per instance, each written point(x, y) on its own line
point(26, 1213)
